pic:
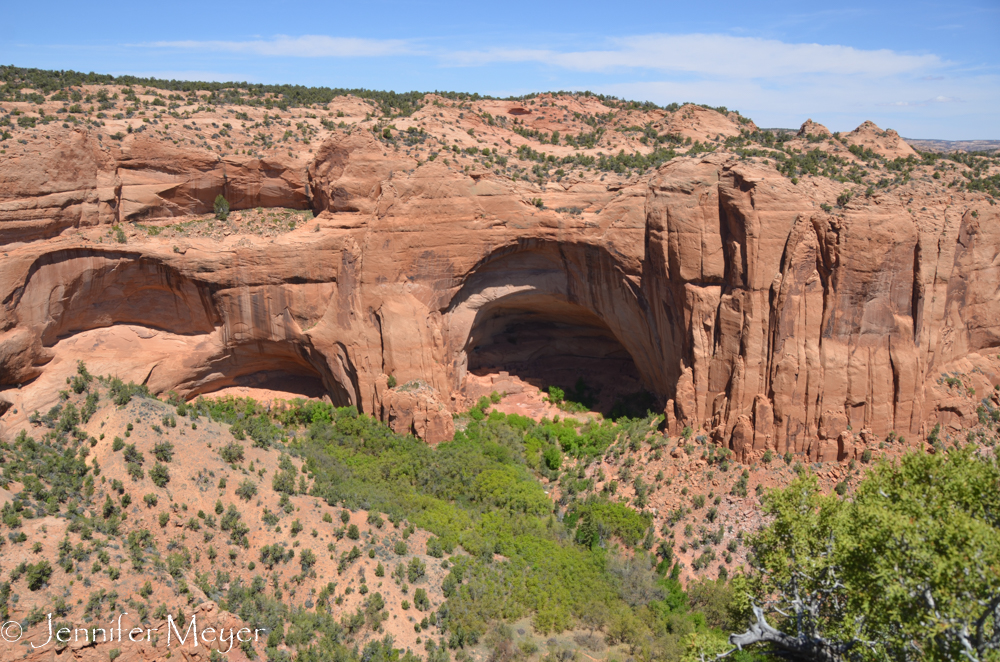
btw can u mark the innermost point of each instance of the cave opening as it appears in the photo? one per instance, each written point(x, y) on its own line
point(544, 341)
point(268, 371)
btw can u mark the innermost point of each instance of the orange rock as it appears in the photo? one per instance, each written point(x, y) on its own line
point(715, 282)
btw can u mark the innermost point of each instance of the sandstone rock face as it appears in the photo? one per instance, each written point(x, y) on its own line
point(158, 180)
point(887, 143)
point(699, 123)
point(44, 192)
point(810, 128)
point(715, 283)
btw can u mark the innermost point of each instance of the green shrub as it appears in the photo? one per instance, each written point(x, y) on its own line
point(307, 559)
point(221, 208)
point(232, 453)
point(599, 519)
point(556, 394)
point(163, 451)
point(284, 478)
point(160, 475)
point(415, 570)
point(924, 525)
point(247, 489)
point(134, 471)
point(38, 574)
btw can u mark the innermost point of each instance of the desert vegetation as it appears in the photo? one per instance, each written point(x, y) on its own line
point(514, 531)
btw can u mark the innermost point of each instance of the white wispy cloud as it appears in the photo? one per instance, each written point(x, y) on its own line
point(841, 102)
point(925, 102)
point(304, 46)
point(713, 55)
point(705, 54)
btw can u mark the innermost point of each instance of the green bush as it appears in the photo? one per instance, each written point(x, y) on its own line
point(163, 451)
point(284, 478)
point(221, 208)
point(133, 455)
point(38, 574)
point(923, 526)
point(247, 489)
point(415, 570)
point(160, 475)
point(556, 395)
point(231, 453)
point(434, 548)
point(233, 522)
point(600, 519)
point(307, 559)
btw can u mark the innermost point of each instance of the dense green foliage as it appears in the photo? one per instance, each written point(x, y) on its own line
point(894, 572)
point(599, 520)
point(480, 491)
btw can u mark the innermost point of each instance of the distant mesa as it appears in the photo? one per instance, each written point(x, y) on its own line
point(950, 146)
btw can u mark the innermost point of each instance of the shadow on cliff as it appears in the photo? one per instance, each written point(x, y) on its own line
point(558, 314)
point(185, 334)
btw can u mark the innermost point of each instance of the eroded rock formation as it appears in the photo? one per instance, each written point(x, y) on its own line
point(748, 304)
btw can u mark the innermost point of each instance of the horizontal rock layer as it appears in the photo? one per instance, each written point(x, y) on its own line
point(748, 310)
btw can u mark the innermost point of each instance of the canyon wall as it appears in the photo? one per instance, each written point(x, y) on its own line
point(750, 307)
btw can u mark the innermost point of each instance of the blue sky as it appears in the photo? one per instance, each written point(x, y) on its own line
point(926, 69)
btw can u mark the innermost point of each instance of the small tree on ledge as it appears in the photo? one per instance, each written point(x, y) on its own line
point(221, 208)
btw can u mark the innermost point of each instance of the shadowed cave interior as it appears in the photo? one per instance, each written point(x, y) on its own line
point(272, 370)
point(545, 341)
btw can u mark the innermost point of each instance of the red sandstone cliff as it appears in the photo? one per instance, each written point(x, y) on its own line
point(753, 307)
